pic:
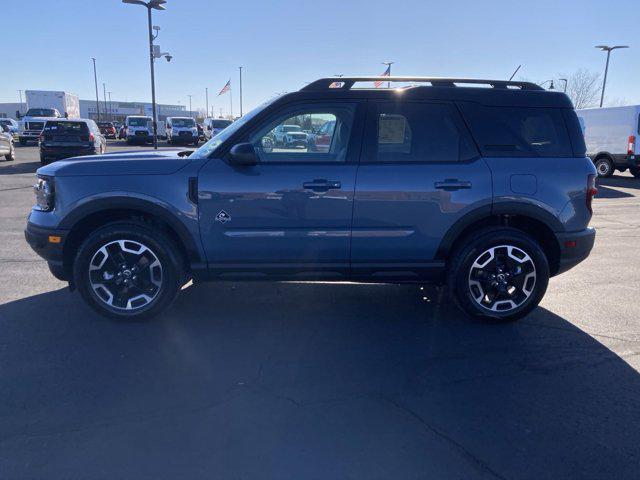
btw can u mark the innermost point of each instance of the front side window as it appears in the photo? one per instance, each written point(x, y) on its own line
point(310, 133)
point(411, 132)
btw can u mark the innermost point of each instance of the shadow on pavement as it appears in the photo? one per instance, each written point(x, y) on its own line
point(309, 381)
point(605, 185)
point(17, 168)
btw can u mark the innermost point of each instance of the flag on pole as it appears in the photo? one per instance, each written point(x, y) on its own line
point(386, 73)
point(226, 88)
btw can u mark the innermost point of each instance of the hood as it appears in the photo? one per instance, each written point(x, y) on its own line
point(146, 162)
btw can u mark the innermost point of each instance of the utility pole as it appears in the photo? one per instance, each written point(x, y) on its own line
point(110, 109)
point(206, 93)
point(95, 79)
point(20, 107)
point(190, 105)
point(240, 68)
point(104, 96)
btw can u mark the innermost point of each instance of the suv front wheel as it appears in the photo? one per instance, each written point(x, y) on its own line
point(128, 270)
point(499, 273)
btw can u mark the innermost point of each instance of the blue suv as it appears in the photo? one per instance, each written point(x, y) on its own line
point(481, 185)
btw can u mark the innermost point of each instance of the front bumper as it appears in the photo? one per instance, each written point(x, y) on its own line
point(574, 247)
point(44, 241)
point(184, 138)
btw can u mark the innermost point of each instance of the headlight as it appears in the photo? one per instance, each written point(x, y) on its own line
point(45, 194)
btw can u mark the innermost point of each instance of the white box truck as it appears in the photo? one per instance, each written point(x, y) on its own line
point(611, 135)
point(43, 105)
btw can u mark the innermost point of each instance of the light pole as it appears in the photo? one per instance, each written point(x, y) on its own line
point(151, 5)
point(388, 64)
point(565, 84)
point(20, 107)
point(608, 49)
point(190, 116)
point(95, 79)
point(104, 96)
point(240, 68)
point(551, 86)
point(206, 94)
point(110, 109)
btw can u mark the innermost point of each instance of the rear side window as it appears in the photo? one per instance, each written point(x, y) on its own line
point(518, 131)
point(66, 127)
point(411, 132)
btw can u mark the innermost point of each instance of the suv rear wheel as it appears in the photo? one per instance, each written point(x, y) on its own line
point(128, 271)
point(499, 273)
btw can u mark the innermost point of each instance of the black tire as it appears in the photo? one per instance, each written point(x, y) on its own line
point(11, 156)
point(474, 248)
point(635, 171)
point(43, 160)
point(604, 167)
point(159, 246)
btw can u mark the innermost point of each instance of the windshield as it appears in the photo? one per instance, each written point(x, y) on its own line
point(66, 127)
point(183, 122)
point(208, 148)
point(220, 123)
point(138, 122)
point(42, 112)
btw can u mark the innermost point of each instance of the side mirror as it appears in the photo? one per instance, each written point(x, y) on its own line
point(243, 154)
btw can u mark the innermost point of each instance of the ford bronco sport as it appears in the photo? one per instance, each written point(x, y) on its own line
point(481, 185)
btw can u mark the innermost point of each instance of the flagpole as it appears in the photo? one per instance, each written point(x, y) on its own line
point(388, 64)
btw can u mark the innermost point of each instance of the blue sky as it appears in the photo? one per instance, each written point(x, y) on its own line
point(283, 44)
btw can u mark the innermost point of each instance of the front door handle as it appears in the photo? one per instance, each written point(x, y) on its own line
point(452, 184)
point(321, 185)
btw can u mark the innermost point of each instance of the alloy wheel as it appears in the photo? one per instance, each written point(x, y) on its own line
point(125, 275)
point(502, 278)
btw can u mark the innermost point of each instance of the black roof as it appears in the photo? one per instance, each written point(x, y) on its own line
point(487, 92)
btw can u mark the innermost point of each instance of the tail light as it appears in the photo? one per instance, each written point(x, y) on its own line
point(41, 137)
point(591, 191)
point(631, 148)
point(91, 137)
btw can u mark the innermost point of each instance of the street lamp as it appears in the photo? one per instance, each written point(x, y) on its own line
point(190, 116)
point(565, 84)
point(95, 79)
point(551, 86)
point(606, 48)
point(151, 5)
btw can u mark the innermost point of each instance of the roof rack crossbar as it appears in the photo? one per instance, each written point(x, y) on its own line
point(346, 83)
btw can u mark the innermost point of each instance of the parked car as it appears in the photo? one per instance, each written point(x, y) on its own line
point(182, 130)
point(6, 143)
point(485, 190)
point(14, 127)
point(201, 135)
point(139, 129)
point(122, 132)
point(320, 141)
point(290, 136)
point(63, 138)
point(611, 136)
point(213, 126)
point(107, 129)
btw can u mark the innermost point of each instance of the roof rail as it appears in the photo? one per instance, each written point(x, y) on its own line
point(346, 83)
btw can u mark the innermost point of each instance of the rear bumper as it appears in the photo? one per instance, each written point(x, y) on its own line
point(574, 247)
point(633, 160)
point(66, 152)
point(39, 240)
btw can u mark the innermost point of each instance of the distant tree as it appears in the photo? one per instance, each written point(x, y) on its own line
point(615, 101)
point(583, 88)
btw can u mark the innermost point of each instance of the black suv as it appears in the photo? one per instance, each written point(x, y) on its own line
point(70, 138)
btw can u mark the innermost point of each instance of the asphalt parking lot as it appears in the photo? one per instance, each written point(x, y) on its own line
point(298, 380)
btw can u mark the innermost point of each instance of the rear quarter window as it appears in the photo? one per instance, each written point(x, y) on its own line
point(518, 131)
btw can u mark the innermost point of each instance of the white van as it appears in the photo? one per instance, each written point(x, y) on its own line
point(611, 136)
point(182, 130)
point(213, 126)
point(139, 129)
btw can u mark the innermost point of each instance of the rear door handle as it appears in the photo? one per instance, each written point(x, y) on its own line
point(321, 185)
point(452, 184)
